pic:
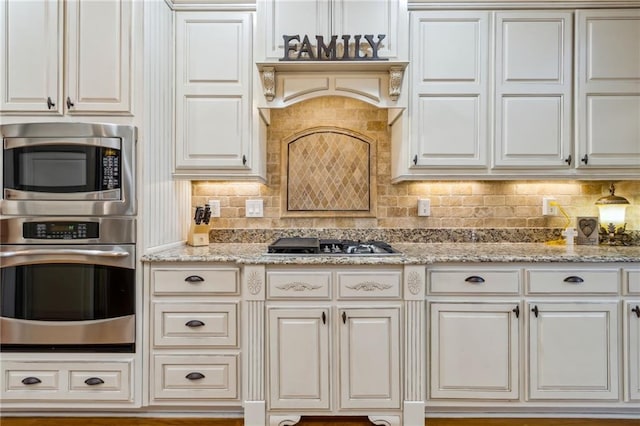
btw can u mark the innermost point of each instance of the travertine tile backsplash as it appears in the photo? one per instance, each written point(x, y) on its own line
point(467, 204)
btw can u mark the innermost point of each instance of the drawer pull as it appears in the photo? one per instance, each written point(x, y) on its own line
point(516, 311)
point(344, 317)
point(92, 381)
point(573, 279)
point(636, 310)
point(324, 318)
point(535, 310)
point(474, 279)
point(194, 376)
point(31, 381)
point(194, 279)
point(194, 323)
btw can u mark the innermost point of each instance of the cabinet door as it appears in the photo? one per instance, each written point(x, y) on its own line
point(632, 312)
point(99, 56)
point(474, 350)
point(31, 61)
point(533, 102)
point(369, 358)
point(213, 87)
point(573, 351)
point(608, 46)
point(298, 358)
point(449, 59)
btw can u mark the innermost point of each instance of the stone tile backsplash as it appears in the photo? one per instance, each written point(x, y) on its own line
point(481, 205)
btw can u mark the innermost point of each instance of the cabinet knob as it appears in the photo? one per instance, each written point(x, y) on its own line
point(535, 310)
point(516, 311)
point(31, 381)
point(415, 160)
point(194, 376)
point(636, 310)
point(194, 323)
point(324, 318)
point(585, 159)
point(92, 381)
point(568, 160)
point(69, 103)
point(573, 279)
point(50, 103)
point(194, 279)
point(474, 279)
point(244, 160)
point(344, 317)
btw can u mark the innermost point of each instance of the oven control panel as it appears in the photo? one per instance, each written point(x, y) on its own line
point(60, 230)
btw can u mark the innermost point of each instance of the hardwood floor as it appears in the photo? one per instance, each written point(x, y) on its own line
point(313, 421)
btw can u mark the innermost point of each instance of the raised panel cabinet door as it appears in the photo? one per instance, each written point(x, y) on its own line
point(213, 90)
point(298, 358)
point(533, 89)
point(31, 62)
point(369, 358)
point(292, 17)
point(99, 49)
point(474, 350)
point(449, 78)
point(632, 313)
point(573, 351)
point(608, 84)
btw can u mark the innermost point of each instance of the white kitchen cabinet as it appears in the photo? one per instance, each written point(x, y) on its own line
point(327, 18)
point(632, 318)
point(474, 350)
point(573, 351)
point(192, 338)
point(608, 86)
point(70, 57)
point(449, 89)
point(213, 99)
point(533, 89)
point(299, 355)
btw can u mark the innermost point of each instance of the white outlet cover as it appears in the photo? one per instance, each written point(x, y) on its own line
point(424, 207)
point(214, 205)
point(547, 208)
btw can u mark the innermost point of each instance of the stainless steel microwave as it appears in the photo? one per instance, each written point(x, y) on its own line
point(68, 169)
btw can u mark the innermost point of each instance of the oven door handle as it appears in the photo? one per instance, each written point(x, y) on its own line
point(63, 251)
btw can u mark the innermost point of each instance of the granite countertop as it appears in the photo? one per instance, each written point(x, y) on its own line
point(411, 253)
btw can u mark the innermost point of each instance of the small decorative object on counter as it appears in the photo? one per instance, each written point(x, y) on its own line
point(199, 230)
point(587, 230)
point(612, 218)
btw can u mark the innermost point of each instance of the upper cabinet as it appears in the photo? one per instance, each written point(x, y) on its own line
point(215, 118)
point(608, 86)
point(66, 57)
point(326, 18)
point(521, 94)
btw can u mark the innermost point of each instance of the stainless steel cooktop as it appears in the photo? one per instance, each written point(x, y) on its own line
point(324, 247)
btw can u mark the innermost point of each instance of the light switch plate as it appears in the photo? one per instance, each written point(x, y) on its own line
point(424, 207)
point(254, 208)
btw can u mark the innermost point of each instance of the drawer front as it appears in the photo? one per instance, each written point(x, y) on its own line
point(195, 377)
point(571, 281)
point(195, 324)
point(474, 281)
point(105, 381)
point(299, 285)
point(378, 284)
point(633, 281)
point(26, 377)
point(195, 281)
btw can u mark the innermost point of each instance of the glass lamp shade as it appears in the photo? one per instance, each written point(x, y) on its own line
point(612, 214)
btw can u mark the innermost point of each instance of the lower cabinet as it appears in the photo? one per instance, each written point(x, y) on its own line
point(632, 318)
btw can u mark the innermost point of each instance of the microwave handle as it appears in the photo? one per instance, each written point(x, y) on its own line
point(59, 251)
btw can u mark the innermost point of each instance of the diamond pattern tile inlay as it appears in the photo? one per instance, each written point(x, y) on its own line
point(328, 171)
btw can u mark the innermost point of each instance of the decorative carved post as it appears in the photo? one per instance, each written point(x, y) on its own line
point(253, 296)
point(414, 349)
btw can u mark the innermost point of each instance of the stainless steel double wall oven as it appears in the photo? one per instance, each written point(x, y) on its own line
point(67, 234)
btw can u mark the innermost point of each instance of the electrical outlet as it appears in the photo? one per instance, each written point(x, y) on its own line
point(254, 208)
point(548, 206)
point(214, 205)
point(424, 207)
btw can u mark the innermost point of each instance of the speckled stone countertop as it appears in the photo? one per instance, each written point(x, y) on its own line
point(411, 253)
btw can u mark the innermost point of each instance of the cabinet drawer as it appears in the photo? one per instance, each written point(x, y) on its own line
point(195, 377)
point(195, 281)
point(378, 284)
point(69, 381)
point(474, 281)
point(195, 324)
point(633, 281)
point(571, 281)
point(300, 285)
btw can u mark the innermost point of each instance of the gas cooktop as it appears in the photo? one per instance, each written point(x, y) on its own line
point(323, 247)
